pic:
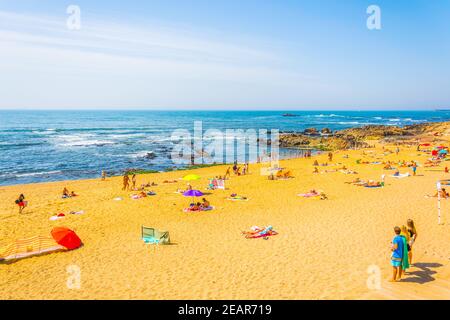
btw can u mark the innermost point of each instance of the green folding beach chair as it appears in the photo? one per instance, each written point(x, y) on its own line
point(153, 236)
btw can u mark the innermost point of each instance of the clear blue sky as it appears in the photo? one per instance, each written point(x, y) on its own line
point(217, 54)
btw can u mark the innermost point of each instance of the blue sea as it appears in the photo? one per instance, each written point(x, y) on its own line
point(40, 146)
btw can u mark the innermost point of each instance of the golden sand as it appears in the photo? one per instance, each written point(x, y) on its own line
point(323, 250)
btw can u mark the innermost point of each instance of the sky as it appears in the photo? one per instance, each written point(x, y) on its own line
point(224, 54)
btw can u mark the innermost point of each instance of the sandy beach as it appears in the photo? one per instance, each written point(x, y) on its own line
point(323, 250)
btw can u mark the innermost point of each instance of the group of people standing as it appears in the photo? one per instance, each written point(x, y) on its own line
point(402, 244)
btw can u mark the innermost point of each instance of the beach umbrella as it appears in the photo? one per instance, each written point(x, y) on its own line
point(191, 177)
point(66, 237)
point(443, 151)
point(193, 193)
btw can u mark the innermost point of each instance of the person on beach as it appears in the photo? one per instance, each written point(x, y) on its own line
point(412, 237)
point(65, 193)
point(227, 174)
point(414, 168)
point(126, 182)
point(103, 175)
point(397, 248)
point(316, 170)
point(442, 193)
point(21, 203)
point(133, 181)
point(205, 204)
point(330, 156)
point(446, 170)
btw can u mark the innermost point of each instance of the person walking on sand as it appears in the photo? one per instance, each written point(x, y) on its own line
point(21, 203)
point(412, 237)
point(330, 156)
point(133, 181)
point(397, 249)
point(103, 175)
point(414, 168)
point(227, 174)
point(126, 182)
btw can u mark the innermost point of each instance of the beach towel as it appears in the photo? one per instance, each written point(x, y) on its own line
point(308, 195)
point(199, 210)
point(57, 217)
point(76, 212)
point(401, 175)
point(405, 259)
point(237, 199)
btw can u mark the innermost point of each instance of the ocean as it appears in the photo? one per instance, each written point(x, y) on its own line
point(40, 146)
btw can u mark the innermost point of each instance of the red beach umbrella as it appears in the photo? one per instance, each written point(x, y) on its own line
point(66, 237)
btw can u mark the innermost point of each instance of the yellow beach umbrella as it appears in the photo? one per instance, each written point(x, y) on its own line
point(191, 177)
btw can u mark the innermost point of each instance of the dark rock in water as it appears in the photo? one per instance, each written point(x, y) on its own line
point(290, 115)
point(150, 156)
point(311, 131)
point(326, 131)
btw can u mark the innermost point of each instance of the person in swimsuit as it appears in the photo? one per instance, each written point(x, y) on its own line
point(65, 193)
point(397, 255)
point(205, 204)
point(21, 203)
point(414, 168)
point(126, 182)
point(133, 181)
point(412, 237)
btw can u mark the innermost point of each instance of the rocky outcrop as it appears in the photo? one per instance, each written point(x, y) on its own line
point(358, 137)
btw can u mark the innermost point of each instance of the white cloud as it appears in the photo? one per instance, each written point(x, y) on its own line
point(103, 61)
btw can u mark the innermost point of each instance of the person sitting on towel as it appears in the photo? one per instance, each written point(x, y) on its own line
point(205, 204)
point(65, 193)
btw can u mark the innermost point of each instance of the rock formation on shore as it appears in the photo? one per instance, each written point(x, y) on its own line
point(358, 137)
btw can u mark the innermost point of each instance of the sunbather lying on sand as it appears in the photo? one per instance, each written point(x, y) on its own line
point(443, 193)
point(356, 181)
point(195, 207)
point(258, 232)
point(67, 194)
point(235, 197)
point(313, 193)
point(348, 171)
point(170, 181)
point(372, 183)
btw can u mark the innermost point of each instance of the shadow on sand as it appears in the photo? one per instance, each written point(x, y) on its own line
point(423, 275)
